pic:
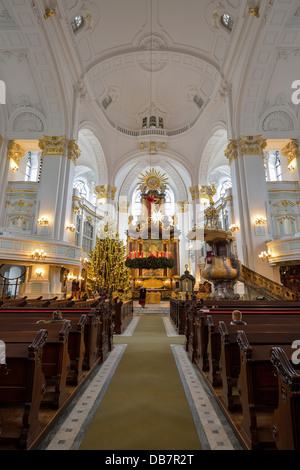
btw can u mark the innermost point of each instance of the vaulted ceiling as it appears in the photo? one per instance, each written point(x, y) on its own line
point(132, 59)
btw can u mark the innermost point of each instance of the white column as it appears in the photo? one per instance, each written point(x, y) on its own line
point(251, 201)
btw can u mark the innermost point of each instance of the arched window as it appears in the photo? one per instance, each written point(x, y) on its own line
point(224, 186)
point(278, 167)
point(28, 168)
point(227, 21)
point(274, 171)
point(77, 23)
point(32, 166)
point(82, 188)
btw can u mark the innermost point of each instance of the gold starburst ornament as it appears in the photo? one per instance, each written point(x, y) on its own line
point(153, 179)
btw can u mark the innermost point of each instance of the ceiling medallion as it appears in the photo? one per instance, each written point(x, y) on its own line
point(153, 43)
point(153, 179)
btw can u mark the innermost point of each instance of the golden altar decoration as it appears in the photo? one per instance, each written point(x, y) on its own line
point(154, 234)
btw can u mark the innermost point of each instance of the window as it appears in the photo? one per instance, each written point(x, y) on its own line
point(32, 166)
point(224, 186)
point(28, 167)
point(77, 230)
point(82, 189)
point(278, 167)
point(87, 238)
point(274, 170)
point(11, 276)
point(227, 21)
point(77, 23)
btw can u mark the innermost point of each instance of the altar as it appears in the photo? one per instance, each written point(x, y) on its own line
point(153, 243)
point(153, 297)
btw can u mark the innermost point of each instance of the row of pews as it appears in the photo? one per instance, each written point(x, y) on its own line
point(253, 368)
point(47, 360)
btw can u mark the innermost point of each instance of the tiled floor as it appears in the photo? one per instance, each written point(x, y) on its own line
point(213, 429)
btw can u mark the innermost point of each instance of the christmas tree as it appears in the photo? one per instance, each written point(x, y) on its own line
point(106, 270)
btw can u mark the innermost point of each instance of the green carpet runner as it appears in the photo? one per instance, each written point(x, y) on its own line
point(145, 406)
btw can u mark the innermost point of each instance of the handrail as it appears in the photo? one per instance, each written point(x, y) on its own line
point(266, 286)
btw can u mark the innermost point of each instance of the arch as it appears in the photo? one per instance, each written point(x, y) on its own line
point(26, 123)
point(179, 178)
point(213, 153)
point(92, 162)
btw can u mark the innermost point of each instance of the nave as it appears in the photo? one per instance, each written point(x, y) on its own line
point(184, 414)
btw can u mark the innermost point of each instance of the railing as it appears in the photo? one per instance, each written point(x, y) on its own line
point(266, 286)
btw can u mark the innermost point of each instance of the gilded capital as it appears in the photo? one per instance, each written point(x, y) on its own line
point(102, 191)
point(15, 152)
point(231, 151)
point(291, 150)
point(192, 191)
point(182, 206)
point(113, 192)
point(252, 144)
point(52, 145)
point(74, 151)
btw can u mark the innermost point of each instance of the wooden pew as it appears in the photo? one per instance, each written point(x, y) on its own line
point(178, 315)
point(76, 346)
point(22, 383)
point(208, 340)
point(286, 418)
point(55, 360)
point(230, 355)
point(122, 313)
point(92, 328)
point(257, 384)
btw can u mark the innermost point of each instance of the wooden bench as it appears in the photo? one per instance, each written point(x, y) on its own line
point(257, 385)
point(178, 315)
point(55, 361)
point(207, 340)
point(229, 363)
point(286, 418)
point(122, 313)
point(76, 346)
point(93, 334)
point(22, 383)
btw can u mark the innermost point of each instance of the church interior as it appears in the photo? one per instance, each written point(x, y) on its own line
point(132, 136)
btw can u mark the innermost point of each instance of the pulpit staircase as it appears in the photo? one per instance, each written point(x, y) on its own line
point(265, 287)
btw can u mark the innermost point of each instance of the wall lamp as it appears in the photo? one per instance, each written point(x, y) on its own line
point(70, 227)
point(38, 255)
point(234, 227)
point(43, 221)
point(260, 220)
point(264, 256)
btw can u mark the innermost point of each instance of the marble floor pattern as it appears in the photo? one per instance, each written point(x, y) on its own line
point(213, 429)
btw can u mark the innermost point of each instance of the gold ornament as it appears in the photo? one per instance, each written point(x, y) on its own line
point(153, 179)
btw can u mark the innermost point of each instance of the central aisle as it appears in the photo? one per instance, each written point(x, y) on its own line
point(145, 406)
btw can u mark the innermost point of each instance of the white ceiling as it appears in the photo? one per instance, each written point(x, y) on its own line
point(150, 57)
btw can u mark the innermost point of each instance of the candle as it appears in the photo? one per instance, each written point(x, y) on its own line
point(142, 254)
point(169, 255)
point(161, 254)
point(157, 254)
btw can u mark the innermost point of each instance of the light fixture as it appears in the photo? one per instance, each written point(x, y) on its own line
point(70, 227)
point(84, 261)
point(38, 255)
point(234, 227)
point(13, 165)
point(292, 165)
point(39, 274)
point(49, 12)
point(263, 256)
point(260, 220)
point(43, 221)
